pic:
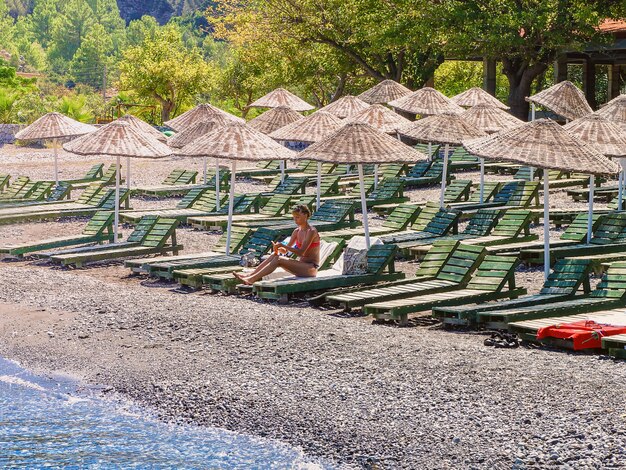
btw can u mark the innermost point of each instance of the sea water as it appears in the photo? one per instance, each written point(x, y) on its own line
point(49, 423)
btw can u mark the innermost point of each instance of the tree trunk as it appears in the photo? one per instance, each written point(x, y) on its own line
point(166, 109)
point(521, 77)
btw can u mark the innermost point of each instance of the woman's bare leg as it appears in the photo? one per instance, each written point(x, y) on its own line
point(265, 268)
point(298, 268)
point(244, 276)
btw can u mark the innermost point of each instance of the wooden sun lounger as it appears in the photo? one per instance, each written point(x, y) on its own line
point(97, 230)
point(454, 274)
point(155, 242)
point(489, 282)
point(562, 283)
point(380, 260)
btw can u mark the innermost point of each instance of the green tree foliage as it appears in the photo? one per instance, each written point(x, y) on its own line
point(525, 35)
point(41, 19)
point(70, 27)
point(8, 110)
point(381, 41)
point(163, 69)
point(91, 59)
point(6, 27)
point(75, 107)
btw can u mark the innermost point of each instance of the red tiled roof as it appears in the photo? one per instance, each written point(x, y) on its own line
point(613, 26)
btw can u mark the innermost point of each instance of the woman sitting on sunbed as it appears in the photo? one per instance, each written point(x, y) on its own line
point(304, 243)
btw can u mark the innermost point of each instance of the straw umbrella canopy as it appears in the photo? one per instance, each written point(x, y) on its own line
point(615, 111)
point(235, 142)
point(118, 139)
point(490, 119)
point(564, 98)
point(475, 96)
point(446, 128)
point(543, 144)
point(281, 97)
point(54, 126)
point(345, 107)
point(274, 119)
point(384, 92)
point(425, 102)
point(308, 130)
point(608, 138)
point(358, 142)
point(143, 126)
point(381, 118)
point(202, 112)
point(194, 132)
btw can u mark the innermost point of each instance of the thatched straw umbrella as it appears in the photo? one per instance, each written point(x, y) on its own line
point(489, 120)
point(446, 128)
point(384, 92)
point(118, 139)
point(477, 96)
point(190, 134)
point(357, 142)
point(383, 119)
point(615, 111)
point(144, 127)
point(345, 107)
point(564, 98)
point(54, 126)
point(309, 130)
point(202, 112)
point(235, 142)
point(425, 102)
point(608, 139)
point(380, 118)
point(282, 97)
point(274, 119)
point(543, 144)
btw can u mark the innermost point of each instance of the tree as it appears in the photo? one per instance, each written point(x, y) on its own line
point(525, 35)
point(41, 19)
point(163, 69)
point(70, 27)
point(380, 40)
point(6, 27)
point(91, 58)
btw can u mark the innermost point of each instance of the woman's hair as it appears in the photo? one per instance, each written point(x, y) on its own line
point(302, 209)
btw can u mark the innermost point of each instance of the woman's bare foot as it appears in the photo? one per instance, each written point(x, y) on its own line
point(243, 278)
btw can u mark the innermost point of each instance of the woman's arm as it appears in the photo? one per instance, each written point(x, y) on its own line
point(277, 246)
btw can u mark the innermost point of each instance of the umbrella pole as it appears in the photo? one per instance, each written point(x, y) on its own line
point(546, 226)
point(56, 162)
point(217, 182)
point(375, 176)
point(482, 180)
point(532, 111)
point(282, 171)
point(204, 167)
point(430, 151)
point(366, 227)
point(619, 190)
point(444, 175)
point(592, 184)
point(231, 200)
point(128, 173)
point(319, 183)
point(117, 200)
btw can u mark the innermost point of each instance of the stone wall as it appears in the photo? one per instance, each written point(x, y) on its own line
point(7, 133)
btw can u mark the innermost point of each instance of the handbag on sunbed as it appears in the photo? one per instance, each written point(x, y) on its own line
point(354, 261)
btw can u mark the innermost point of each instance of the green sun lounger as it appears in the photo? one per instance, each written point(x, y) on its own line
point(5, 180)
point(609, 294)
point(493, 275)
point(154, 242)
point(99, 229)
point(562, 283)
point(454, 274)
point(380, 261)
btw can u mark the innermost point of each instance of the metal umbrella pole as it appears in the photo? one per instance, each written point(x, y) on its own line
point(592, 185)
point(319, 183)
point(217, 184)
point(546, 225)
point(56, 162)
point(482, 180)
point(116, 220)
point(364, 206)
point(231, 199)
point(204, 168)
point(444, 175)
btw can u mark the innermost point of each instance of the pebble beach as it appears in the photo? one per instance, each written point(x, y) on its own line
point(362, 395)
